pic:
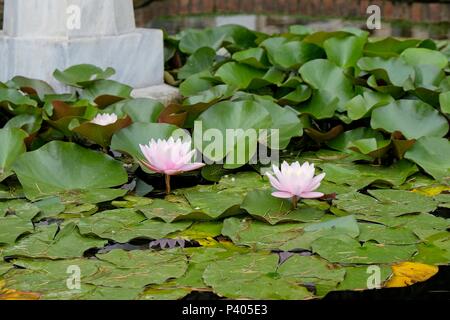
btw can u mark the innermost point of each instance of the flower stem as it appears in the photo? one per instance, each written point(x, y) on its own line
point(167, 184)
point(294, 202)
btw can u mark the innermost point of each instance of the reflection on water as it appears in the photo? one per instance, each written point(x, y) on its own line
point(280, 23)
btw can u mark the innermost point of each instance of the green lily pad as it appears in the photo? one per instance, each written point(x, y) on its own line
point(293, 54)
point(123, 225)
point(394, 71)
point(413, 118)
point(361, 106)
point(424, 225)
point(312, 270)
point(251, 276)
point(259, 235)
point(34, 87)
point(325, 75)
point(345, 52)
point(82, 75)
point(128, 139)
point(11, 147)
point(416, 56)
point(14, 97)
point(356, 278)
point(215, 204)
point(12, 227)
point(46, 242)
point(242, 115)
point(386, 203)
point(136, 269)
point(139, 110)
point(238, 75)
point(360, 176)
point(262, 205)
point(346, 225)
point(347, 250)
point(386, 235)
point(255, 57)
point(433, 155)
point(199, 259)
point(200, 60)
point(40, 171)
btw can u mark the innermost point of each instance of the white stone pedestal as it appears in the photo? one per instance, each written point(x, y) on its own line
point(40, 36)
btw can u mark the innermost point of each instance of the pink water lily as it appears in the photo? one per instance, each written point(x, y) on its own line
point(295, 181)
point(169, 157)
point(104, 119)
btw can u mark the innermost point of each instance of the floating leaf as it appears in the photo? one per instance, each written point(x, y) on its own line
point(40, 171)
point(386, 235)
point(433, 155)
point(360, 176)
point(123, 225)
point(416, 56)
point(393, 71)
point(238, 75)
point(408, 273)
point(11, 147)
point(345, 52)
point(358, 278)
point(128, 139)
point(386, 203)
point(82, 75)
point(347, 250)
point(413, 118)
point(247, 116)
point(259, 235)
point(48, 243)
point(199, 61)
point(262, 205)
point(231, 278)
point(136, 269)
point(325, 75)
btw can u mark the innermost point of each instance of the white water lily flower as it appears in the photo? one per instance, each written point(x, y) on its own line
point(295, 181)
point(104, 119)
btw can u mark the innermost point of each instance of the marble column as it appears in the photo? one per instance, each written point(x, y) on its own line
point(40, 36)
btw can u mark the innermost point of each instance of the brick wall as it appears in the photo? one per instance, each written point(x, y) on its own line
point(429, 11)
point(416, 11)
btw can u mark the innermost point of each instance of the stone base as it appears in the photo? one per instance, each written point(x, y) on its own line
point(164, 93)
point(137, 57)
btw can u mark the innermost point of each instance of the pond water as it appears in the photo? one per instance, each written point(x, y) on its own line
point(280, 23)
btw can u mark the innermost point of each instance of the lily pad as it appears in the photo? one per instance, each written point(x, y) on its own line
point(11, 147)
point(136, 269)
point(347, 250)
point(251, 276)
point(325, 75)
point(243, 115)
point(386, 203)
point(128, 139)
point(413, 118)
point(262, 205)
point(360, 176)
point(433, 155)
point(40, 171)
point(47, 242)
point(123, 225)
point(259, 235)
